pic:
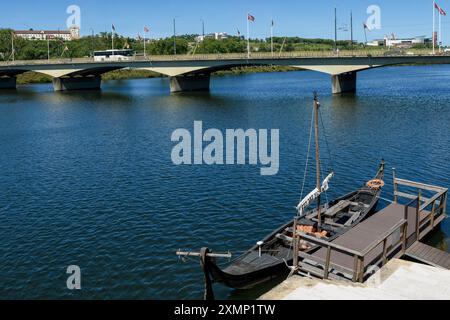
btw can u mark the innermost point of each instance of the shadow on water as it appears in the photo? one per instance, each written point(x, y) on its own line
point(39, 94)
point(344, 100)
point(438, 240)
point(92, 95)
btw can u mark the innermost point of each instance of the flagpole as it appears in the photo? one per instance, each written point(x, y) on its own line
point(351, 29)
point(365, 33)
point(145, 51)
point(335, 30)
point(440, 35)
point(271, 36)
point(12, 47)
point(248, 37)
point(112, 40)
point(174, 36)
point(434, 23)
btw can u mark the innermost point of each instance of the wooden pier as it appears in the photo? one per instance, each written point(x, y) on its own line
point(429, 255)
point(392, 233)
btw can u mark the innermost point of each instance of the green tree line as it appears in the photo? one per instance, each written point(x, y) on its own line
point(185, 44)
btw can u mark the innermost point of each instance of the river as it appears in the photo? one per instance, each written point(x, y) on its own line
point(87, 178)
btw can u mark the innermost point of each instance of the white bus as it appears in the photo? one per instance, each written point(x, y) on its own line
point(114, 55)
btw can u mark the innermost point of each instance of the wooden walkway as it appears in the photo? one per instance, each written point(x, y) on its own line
point(368, 232)
point(391, 233)
point(429, 255)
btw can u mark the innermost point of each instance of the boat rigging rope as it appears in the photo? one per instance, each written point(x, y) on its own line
point(307, 155)
point(331, 164)
point(330, 158)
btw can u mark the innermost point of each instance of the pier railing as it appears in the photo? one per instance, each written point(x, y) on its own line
point(432, 203)
point(375, 254)
point(424, 209)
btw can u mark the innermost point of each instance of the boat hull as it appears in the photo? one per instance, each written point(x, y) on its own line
point(252, 269)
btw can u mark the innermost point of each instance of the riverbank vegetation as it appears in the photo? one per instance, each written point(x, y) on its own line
point(185, 44)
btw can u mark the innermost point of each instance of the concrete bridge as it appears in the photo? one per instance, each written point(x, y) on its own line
point(192, 73)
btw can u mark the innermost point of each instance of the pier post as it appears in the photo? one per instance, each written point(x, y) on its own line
point(344, 82)
point(190, 82)
point(8, 82)
point(77, 83)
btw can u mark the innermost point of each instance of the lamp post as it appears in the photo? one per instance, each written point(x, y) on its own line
point(271, 36)
point(174, 36)
point(351, 29)
point(203, 27)
point(13, 53)
point(92, 42)
point(335, 30)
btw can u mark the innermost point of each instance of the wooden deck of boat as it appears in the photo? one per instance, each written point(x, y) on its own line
point(368, 231)
point(429, 255)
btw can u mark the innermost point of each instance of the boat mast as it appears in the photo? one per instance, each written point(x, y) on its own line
point(319, 185)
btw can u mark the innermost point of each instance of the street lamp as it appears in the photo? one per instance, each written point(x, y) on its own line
point(203, 27)
point(92, 41)
point(174, 36)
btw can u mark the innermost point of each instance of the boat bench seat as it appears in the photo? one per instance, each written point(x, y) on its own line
point(334, 210)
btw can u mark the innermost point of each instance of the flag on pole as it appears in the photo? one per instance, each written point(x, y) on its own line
point(146, 30)
point(238, 33)
point(251, 18)
point(113, 28)
point(441, 11)
point(273, 23)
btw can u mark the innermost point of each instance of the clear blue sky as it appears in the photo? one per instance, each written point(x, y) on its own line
point(405, 18)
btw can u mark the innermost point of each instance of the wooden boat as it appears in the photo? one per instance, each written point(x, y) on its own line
point(271, 257)
point(253, 268)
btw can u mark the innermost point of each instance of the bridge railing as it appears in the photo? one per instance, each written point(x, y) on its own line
point(234, 56)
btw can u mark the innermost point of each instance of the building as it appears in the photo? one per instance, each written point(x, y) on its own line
point(216, 36)
point(66, 35)
point(401, 43)
point(375, 43)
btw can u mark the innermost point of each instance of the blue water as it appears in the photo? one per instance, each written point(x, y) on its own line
point(87, 178)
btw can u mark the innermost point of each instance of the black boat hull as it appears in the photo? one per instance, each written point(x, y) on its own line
point(242, 277)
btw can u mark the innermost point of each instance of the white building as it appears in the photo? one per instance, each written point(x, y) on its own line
point(404, 42)
point(66, 35)
point(216, 36)
point(375, 43)
point(393, 42)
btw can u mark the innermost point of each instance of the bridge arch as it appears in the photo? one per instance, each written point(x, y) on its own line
point(198, 78)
